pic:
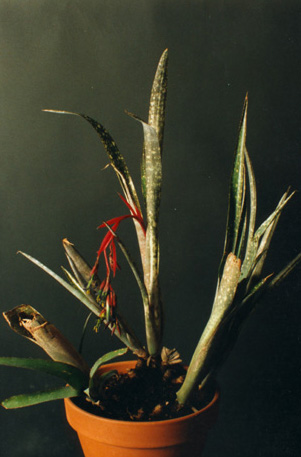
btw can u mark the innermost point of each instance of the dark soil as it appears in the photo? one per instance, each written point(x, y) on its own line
point(146, 393)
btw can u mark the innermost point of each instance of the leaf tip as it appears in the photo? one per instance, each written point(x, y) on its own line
point(66, 242)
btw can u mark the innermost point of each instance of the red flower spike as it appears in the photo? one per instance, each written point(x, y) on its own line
point(134, 211)
point(95, 268)
point(106, 295)
point(115, 220)
point(107, 264)
point(113, 258)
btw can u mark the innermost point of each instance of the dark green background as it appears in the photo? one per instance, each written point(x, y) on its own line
point(99, 58)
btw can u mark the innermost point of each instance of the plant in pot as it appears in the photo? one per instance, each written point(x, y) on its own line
point(153, 405)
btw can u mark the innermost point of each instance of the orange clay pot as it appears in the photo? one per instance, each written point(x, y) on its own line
point(181, 437)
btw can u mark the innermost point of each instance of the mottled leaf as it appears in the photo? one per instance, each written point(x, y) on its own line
point(156, 115)
point(236, 191)
point(114, 155)
point(80, 295)
point(264, 233)
point(263, 227)
point(253, 201)
point(227, 287)
point(153, 175)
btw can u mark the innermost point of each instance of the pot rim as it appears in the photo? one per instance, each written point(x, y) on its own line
point(142, 423)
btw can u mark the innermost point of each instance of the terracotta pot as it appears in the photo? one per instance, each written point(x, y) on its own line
point(181, 437)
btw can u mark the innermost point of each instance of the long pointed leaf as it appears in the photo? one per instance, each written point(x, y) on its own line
point(119, 165)
point(253, 200)
point(156, 115)
point(84, 330)
point(70, 374)
point(113, 153)
point(221, 308)
point(81, 296)
point(286, 271)
point(263, 227)
point(236, 191)
point(82, 271)
point(153, 176)
point(20, 401)
point(266, 227)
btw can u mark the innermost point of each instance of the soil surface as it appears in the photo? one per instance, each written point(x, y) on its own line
point(145, 393)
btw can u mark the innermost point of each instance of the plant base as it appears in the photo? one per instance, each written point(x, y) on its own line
point(181, 437)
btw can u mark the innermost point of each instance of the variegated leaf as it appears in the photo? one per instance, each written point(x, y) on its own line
point(263, 227)
point(236, 192)
point(114, 155)
point(253, 201)
point(156, 115)
point(126, 334)
point(80, 295)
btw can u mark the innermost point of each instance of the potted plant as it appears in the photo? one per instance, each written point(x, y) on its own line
point(153, 406)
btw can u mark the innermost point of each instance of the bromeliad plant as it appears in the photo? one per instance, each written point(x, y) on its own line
point(240, 281)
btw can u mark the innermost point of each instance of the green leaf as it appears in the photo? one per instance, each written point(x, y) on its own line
point(265, 231)
point(253, 201)
point(236, 192)
point(156, 114)
point(20, 401)
point(84, 330)
point(106, 358)
point(153, 177)
point(263, 227)
point(70, 374)
point(116, 158)
point(286, 271)
point(80, 295)
point(255, 289)
point(242, 234)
